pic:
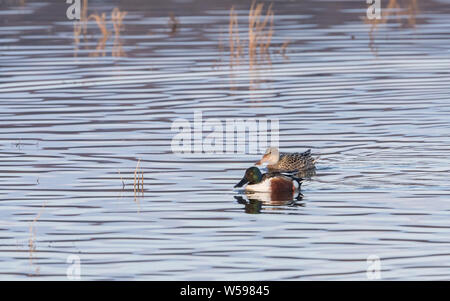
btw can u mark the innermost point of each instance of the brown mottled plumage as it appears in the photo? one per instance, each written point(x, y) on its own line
point(288, 162)
point(293, 162)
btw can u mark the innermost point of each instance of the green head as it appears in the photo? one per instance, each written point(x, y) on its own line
point(252, 175)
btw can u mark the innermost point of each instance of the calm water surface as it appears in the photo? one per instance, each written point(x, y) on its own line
point(78, 111)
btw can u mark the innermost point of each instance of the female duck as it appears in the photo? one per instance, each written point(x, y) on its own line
point(269, 182)
point(287, 162)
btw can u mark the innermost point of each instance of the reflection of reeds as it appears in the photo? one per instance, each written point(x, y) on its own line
point(138, 181)
point(173, 23)
point(283, 48)
point(77, 27)
point(84, 16)
point(117, 17)
point(233, 29)
point(80, 27)
point(32, 239)
point(260, 32)
point(101, 23)
point(135, 177)
point(412, 11)
point(142, 182)
point(398, 9)
point(76, 32)
point(123, 182)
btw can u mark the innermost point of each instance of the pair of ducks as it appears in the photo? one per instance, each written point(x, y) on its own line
point(280, 177)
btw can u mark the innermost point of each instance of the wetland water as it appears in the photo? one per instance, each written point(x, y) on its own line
point(79, 109)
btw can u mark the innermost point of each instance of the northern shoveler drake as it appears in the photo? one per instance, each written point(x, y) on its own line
point(287, 162)
point(280, 199)
point(275, 183)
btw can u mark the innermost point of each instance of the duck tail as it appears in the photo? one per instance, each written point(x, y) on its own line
point(307, 153)
point(316, 159)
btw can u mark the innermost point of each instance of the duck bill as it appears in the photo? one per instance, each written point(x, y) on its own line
point(241, 183)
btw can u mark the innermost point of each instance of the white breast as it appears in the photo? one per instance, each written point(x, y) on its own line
point(260, 187)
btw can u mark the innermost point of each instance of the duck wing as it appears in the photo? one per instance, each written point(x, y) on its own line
point(295, 161)
point(294, 178)
point(290, 176)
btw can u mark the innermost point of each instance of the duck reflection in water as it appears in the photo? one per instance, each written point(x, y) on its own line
point(273, 189)
point(254, 202)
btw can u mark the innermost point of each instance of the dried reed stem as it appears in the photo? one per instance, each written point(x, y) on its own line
point(260, 32)
point(173, 23)
point(136, 188)
point(142, 182)
point(117, 17)
point(101, 23)
point(395, 9)
point(84, 16)
point(123, 182)
point(32, 230)
point(284, 47)
point(233, 30)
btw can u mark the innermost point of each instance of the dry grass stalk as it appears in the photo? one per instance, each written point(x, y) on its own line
point(398, 9)
point(284, 46)
point(123, 182)
point(117, 17)
point(77, 27)
point(138, 181)
point(77, 32)
point(233, 30)
point(80, 26)
point(260, 32)
point(136, 188)
point(32, 239)
point(101, 23)
point(264, 37)
point(84, 16)
point(393, 8)
point(100, 47)
point(412, 11)
point(253, 19)
point(142, 182)
point(173, 23)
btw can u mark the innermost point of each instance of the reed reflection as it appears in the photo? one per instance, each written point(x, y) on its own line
point(255, 49)
point(80, 28)
point(403, 12)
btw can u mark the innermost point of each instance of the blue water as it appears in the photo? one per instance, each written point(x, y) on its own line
point(77, 115)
